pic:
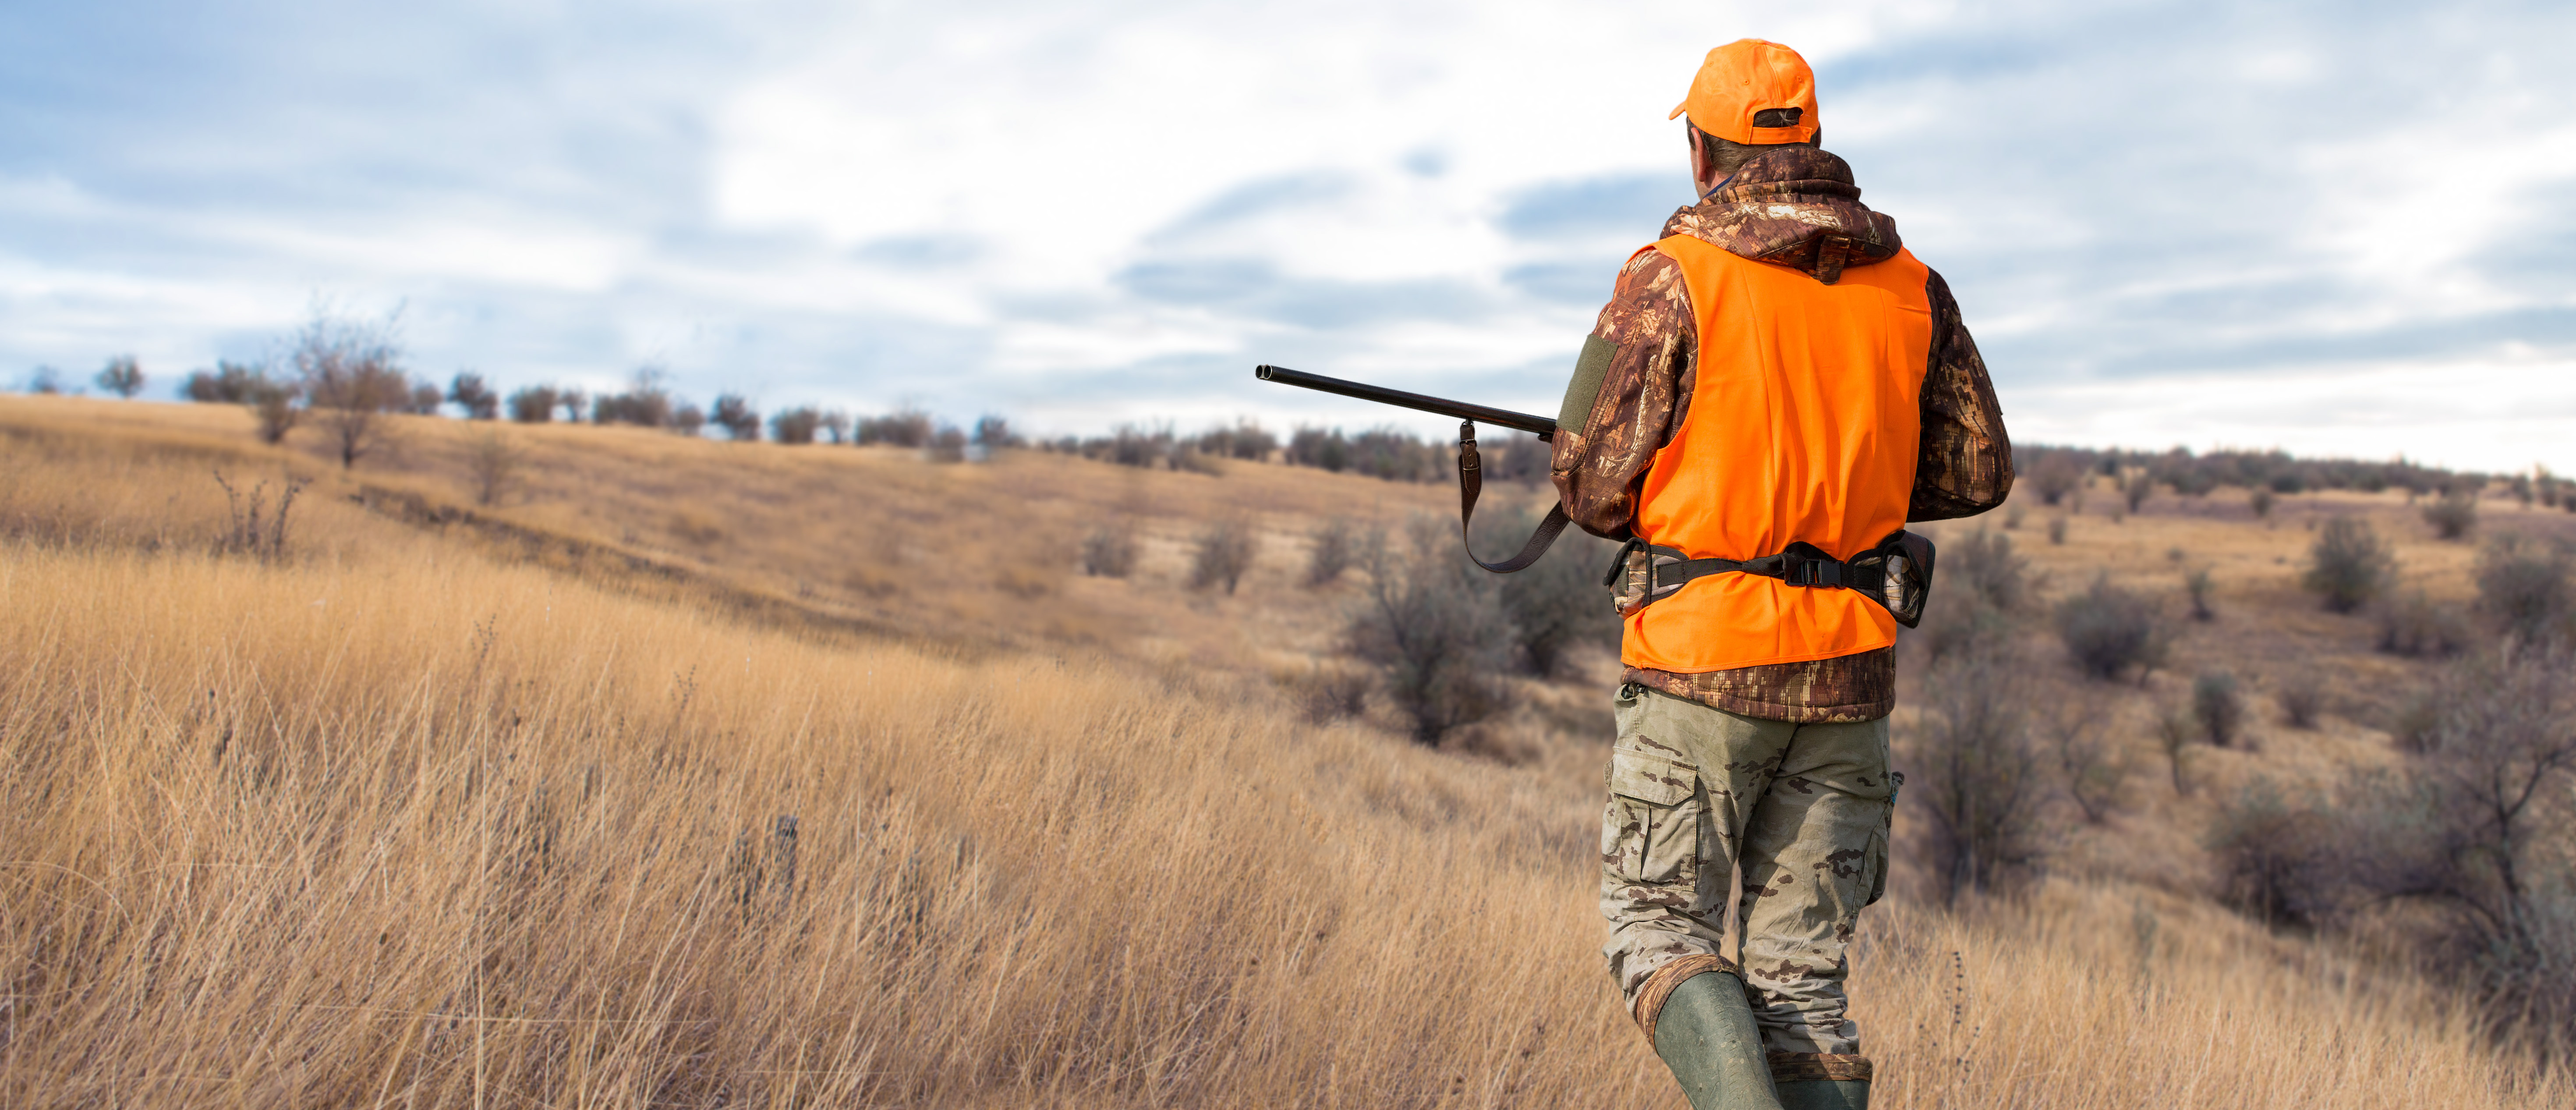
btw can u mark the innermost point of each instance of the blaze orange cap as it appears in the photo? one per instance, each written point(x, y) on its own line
point(1748, 77)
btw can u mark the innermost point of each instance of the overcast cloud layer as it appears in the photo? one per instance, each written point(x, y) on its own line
point(2337, 228)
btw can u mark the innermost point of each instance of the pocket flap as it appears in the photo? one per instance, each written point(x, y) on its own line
point(1650, 778)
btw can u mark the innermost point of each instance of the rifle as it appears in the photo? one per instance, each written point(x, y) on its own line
point(1471, 480)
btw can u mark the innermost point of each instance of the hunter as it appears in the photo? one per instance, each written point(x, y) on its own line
point(1776, 375)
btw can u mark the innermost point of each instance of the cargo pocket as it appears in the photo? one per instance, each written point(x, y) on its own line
point(1652, 836)
point(1877, 861)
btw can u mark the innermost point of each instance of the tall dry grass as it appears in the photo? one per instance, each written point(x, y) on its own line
point(391, 822)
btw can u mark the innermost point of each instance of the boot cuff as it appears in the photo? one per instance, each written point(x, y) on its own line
point(1811, 1067)
point(1659, 986)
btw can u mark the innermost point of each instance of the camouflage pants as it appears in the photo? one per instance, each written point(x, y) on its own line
point(1733, 843)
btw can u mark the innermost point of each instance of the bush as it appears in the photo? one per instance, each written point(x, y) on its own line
point(2261, 502)
point(2056, 476)
point(2302, 699)
point(2086, 758)
point(796, 425)
point(948, 445)
point(734, 414)
point(230, 383)
point(533, 405)
point(1327, 694)
point(2057, 531)
point(2347, 565)
point(993, 434)
point(273, 403)
point(1435, 627)
point(2523, 585)
point(2454, 516)
point(2109, 630)
point(495, 465)
point(1982, 587)
point(2276, 862)
point(1224, 553)
point(2197, 584)
point(468, 391)
point(907, 427)
point(1109, 552)
point(1336, 544)
point(1556, 604)
point(2416, 625)
point(122, 376)
point(688, 420)
point(2217, 707)
point(1975, 773)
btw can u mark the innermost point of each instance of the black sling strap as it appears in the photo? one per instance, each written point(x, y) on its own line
point(1471, 481)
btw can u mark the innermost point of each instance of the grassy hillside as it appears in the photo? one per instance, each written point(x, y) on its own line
point(457, 805)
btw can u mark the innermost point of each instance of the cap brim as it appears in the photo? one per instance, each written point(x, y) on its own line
point(1678, 109)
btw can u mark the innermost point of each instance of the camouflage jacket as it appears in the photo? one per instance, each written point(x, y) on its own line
point(1796, 207)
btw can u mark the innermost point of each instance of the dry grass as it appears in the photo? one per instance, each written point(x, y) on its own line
point(405, 820)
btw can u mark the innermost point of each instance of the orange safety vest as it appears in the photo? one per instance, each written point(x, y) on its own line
point(1803, 425)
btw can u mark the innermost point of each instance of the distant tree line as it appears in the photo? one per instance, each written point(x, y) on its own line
point(2053, 472)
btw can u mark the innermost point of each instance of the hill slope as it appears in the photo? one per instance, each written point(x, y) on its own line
point(450, 805)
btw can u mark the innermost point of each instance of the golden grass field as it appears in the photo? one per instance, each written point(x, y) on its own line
point(454, 806)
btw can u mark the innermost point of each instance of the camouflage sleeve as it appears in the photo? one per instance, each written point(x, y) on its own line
point(1644, 382)
point(1964, 466)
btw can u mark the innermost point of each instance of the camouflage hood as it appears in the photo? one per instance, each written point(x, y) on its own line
point(1794, 207)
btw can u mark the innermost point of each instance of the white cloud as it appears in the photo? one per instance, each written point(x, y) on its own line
point(2179, 213)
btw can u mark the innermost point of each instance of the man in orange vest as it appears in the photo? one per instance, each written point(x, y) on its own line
point(1775, 389)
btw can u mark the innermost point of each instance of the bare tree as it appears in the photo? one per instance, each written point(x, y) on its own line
point(470, 393)
point(1979, 776)
point(734, 414)
point(123, 377)
point(351, 376)
point(495, 464)
point(1224, 553)
point(1435, 627)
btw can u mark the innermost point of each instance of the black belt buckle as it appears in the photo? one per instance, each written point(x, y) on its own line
point(1814, 572)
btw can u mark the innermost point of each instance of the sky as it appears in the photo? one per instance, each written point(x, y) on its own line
point(2332, 228)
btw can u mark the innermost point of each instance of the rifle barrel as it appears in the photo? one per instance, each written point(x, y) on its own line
point(1541, 426)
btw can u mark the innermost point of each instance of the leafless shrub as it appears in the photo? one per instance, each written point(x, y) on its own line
point(273, 405)
point(2217, 707)
point(2480, 828)
point(2261, 502)
point(246, 531)
point(948, 445)
point(2091, 769)
point(1984, 588)
point(905, 427)
point(1109, 552)
point(122, 376)
point(534, 404)
point(468, 391)
point(494, 463)
point(796, 425)
point(2275, 859)
point(1433, 625)
point(1223, 554)
point(2302, 699)
point(734, 414)
point(2416, 625)
point(2109, 630)
point(2174, 733)
point(351, 376)
point(1557, 604)
point(2523, 586)
point(2055, 477)
point(2057, 531)
point(1975, 772)
point(1325, 694)
point(2197, 584)
point(2454, 516)
point(2135, 489)
point(1336, 543)
point(646, 403)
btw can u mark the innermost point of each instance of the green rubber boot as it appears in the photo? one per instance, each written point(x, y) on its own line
point(1705, 1034)
point(1824, 1094)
